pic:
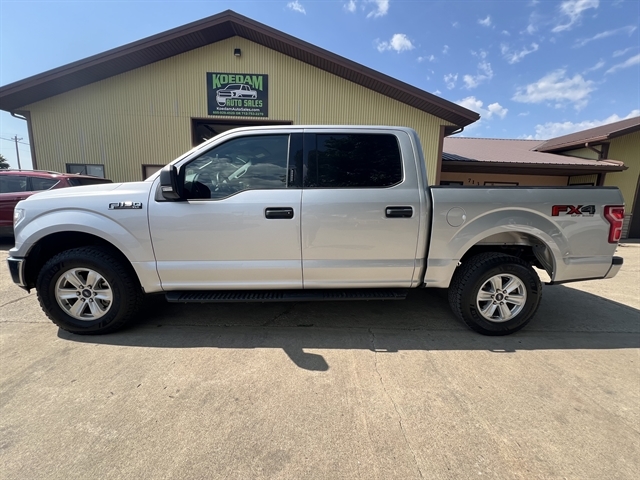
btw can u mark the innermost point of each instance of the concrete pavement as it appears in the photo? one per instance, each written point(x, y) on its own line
point(327, 390)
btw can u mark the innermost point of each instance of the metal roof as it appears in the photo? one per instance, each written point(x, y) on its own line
point(210, 30)
point(592, 135)
point(517, 154)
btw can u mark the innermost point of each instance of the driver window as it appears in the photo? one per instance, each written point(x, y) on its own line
point(246, 163)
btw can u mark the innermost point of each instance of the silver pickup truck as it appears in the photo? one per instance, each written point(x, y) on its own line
point(308, 213)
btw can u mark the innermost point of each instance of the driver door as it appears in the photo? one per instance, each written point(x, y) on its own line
point(239, 227)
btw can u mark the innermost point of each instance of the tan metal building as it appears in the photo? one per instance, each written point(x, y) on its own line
point(126, 112)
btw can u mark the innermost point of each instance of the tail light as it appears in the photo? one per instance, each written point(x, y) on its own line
point(615, 216)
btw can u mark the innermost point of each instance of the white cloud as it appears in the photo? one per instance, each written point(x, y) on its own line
point(524, 114)
point(485, 22)
point(455, 24)
point(597, 66)
point(474, 104)
point(437, 92)
point(511, 56)
point(445, 49)
point(497, 110)
point(505, 32)
point(572, 11)
point(399, 42)
point(450, 80)
point(630, 62)
point(558, 88)
point(486, 74)
point(431, 58)
point(296, 7)
point(381, 8)
point(557, 129)
point(350, 7)
point(619, 53)
point(608, 33)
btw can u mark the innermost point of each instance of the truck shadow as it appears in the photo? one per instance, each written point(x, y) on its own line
point(567, 319)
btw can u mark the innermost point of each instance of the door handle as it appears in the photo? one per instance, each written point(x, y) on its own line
point(285, 213)
point(399, 212)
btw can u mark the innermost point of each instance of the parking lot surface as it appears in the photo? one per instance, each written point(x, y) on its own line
point(353, 390)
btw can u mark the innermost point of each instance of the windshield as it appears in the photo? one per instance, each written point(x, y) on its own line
point(233, 86)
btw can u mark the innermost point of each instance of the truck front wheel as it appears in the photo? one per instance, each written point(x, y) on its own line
point(495, 294)
point(88, 290)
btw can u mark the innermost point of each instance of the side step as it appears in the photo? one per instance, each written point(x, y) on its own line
point(224, 296)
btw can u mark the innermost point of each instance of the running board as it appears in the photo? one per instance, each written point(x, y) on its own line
point(223, 296)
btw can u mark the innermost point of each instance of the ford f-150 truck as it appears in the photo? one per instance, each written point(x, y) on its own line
point(297, 213)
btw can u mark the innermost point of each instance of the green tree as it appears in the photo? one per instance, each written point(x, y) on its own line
point(3, 163)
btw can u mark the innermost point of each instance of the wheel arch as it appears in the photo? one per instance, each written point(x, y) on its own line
point(57, 242)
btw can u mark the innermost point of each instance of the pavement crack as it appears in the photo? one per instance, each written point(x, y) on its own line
point(16, 300)
point(395, 406)
point(273, 320)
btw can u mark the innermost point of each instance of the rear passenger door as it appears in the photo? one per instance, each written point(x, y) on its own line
point(13, 188)
point(360, 209)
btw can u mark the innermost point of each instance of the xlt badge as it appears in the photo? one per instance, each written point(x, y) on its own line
point(125, 205)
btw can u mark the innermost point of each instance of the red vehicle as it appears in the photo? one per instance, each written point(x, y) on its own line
point(16, 185)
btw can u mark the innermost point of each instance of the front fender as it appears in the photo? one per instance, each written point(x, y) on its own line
point(129, 234)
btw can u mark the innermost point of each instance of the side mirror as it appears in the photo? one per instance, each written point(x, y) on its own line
point(169, 185)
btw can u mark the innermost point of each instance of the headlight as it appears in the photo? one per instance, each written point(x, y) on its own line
point(18, 215)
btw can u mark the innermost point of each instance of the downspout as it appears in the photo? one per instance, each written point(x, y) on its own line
point(26, 116)
point(440, 148)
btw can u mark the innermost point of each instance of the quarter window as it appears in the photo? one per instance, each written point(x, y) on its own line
point(246, 163)
point(354, 161)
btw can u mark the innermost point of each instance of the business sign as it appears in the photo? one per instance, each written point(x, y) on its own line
point(238, 94)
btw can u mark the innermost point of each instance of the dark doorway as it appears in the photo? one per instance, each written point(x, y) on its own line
point(202, 129)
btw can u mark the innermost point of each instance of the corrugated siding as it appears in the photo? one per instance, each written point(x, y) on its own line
point(583, 179)
point(144, 116)
point(627, 150)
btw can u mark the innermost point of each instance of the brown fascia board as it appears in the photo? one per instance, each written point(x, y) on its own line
point(210, 30)
point(528, 168)
point(592, 141)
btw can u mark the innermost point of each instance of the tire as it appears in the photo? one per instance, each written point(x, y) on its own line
point(110, 297)
point(482, 296)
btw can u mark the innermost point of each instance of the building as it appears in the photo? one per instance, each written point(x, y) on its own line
point(125, 113)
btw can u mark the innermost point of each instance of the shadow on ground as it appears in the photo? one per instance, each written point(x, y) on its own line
point(567, 319)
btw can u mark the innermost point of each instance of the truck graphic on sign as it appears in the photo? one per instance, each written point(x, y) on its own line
point(234, 90)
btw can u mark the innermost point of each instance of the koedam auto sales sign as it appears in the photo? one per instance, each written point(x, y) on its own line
point(238, 94)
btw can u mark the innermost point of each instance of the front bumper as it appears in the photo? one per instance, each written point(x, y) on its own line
point(616, 264)
point(16, 268)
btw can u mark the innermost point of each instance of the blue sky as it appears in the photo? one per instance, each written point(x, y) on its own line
point(531, 68)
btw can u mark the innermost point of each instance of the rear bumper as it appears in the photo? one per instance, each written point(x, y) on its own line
point(616, 264)
point(16, 268)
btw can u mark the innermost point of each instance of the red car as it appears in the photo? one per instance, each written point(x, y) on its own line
point(16, 185)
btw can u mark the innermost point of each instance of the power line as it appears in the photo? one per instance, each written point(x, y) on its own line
point(13, 140)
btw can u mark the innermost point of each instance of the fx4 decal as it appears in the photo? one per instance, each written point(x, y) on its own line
point(574, 211)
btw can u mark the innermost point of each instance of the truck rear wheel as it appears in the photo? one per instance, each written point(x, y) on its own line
point(88, 291)
point(495, 294)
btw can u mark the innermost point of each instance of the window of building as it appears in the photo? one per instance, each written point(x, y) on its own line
point(86, 169)
point(41, 183)
point(354, 161)
point(246, 163)
point(148, 170)
point(13, 183)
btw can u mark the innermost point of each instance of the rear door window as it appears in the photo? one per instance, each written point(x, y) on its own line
point(354, 161)
point(41, 183)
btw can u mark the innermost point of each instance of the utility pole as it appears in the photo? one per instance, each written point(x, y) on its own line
point(16, 139)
